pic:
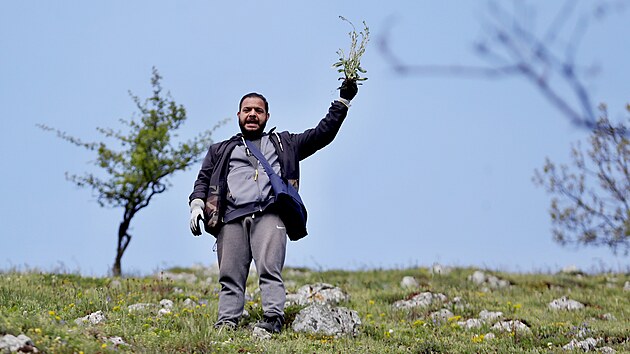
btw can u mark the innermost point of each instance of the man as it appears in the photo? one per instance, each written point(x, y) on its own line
point(234, 196)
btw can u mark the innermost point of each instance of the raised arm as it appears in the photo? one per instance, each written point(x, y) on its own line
point(323, 134)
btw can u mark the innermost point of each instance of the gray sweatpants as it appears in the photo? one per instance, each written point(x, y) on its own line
point(262, 238)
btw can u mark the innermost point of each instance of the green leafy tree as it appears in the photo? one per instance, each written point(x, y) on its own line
point(591, 203)
point(145, 158)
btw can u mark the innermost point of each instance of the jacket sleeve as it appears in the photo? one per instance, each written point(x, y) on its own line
point(323, 134)
point(200, 189)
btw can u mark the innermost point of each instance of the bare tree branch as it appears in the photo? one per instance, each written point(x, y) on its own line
point(511, 47)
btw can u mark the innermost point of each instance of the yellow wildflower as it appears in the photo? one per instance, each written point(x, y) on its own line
point(477, 338)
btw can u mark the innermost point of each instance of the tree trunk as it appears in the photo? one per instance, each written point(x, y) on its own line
point(123, 242)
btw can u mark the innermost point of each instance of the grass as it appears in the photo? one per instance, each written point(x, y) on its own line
point(44, 306)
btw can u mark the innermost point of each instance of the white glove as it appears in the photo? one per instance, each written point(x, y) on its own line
point(196, 213)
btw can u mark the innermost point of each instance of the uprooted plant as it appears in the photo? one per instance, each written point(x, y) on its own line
point(350, 65)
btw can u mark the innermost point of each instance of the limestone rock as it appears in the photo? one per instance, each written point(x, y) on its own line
point(471, 323)
point(320, 293)
point(166, 304)
point(491, 281)
point(438, 269)
point(457, 304)
point(93, 318)
point(421, 300)
point(189, 303)
point(11, 344)
point(586, 345)
point(184, 277)
point(115, 284)
point(261, 334)
point(326, 320)
point(564, 303)
point(116, 341)
point(511, 326)
point(571, 270)
point(140, 307)
point(478, 277)
point(489, 316)
point(409, 282)
point(441, 316)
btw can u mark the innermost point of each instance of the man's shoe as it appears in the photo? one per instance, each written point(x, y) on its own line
point(226, 325)
point(271, 324)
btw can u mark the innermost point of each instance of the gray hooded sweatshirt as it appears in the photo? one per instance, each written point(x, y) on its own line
point(249, 188)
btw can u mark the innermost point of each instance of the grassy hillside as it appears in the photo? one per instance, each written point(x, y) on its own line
point(45, 306)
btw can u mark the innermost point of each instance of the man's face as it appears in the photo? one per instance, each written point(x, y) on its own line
point(252, 117)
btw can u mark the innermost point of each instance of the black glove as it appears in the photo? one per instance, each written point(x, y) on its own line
point(348, 89)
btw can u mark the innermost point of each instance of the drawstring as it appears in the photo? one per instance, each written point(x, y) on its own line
point(247, 152)
point(279, 141)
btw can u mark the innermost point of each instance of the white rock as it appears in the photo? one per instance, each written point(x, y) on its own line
point(261, 334)
point(185, 277)
point(166, 304)
point(326, 320)
point(493, 282)
point(441, 316)
point(13, 344)
point(189, 303)
point(458, 304)
point(626, 286)
point(93, 318)
point(511, 326)
point(421, 300)
point(478, 277)
point(10, 342)
point(115, 284)
point(140, 307)
point(489, 336)
point(117, 341)
point(489, 316)
point(163, 312)
point(471, 323)
point(409, 282)
point(321, 293)
point(606, 350)
point(571, 269)
point(609, 317)
point(438, 269)
point(586, 345)
point(565, 304)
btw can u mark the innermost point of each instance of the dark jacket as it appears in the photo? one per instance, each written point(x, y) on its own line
point(211, 183)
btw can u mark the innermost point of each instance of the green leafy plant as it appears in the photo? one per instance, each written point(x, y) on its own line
point(350, 65)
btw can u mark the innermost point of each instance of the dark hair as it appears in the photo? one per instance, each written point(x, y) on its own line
point(255, 95)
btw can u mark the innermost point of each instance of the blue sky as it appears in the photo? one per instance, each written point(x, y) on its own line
point(425, 169)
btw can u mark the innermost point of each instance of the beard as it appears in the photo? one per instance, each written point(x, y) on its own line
point(252, 134)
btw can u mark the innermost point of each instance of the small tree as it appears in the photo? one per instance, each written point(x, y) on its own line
point(145, 160)
point(592, 196)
